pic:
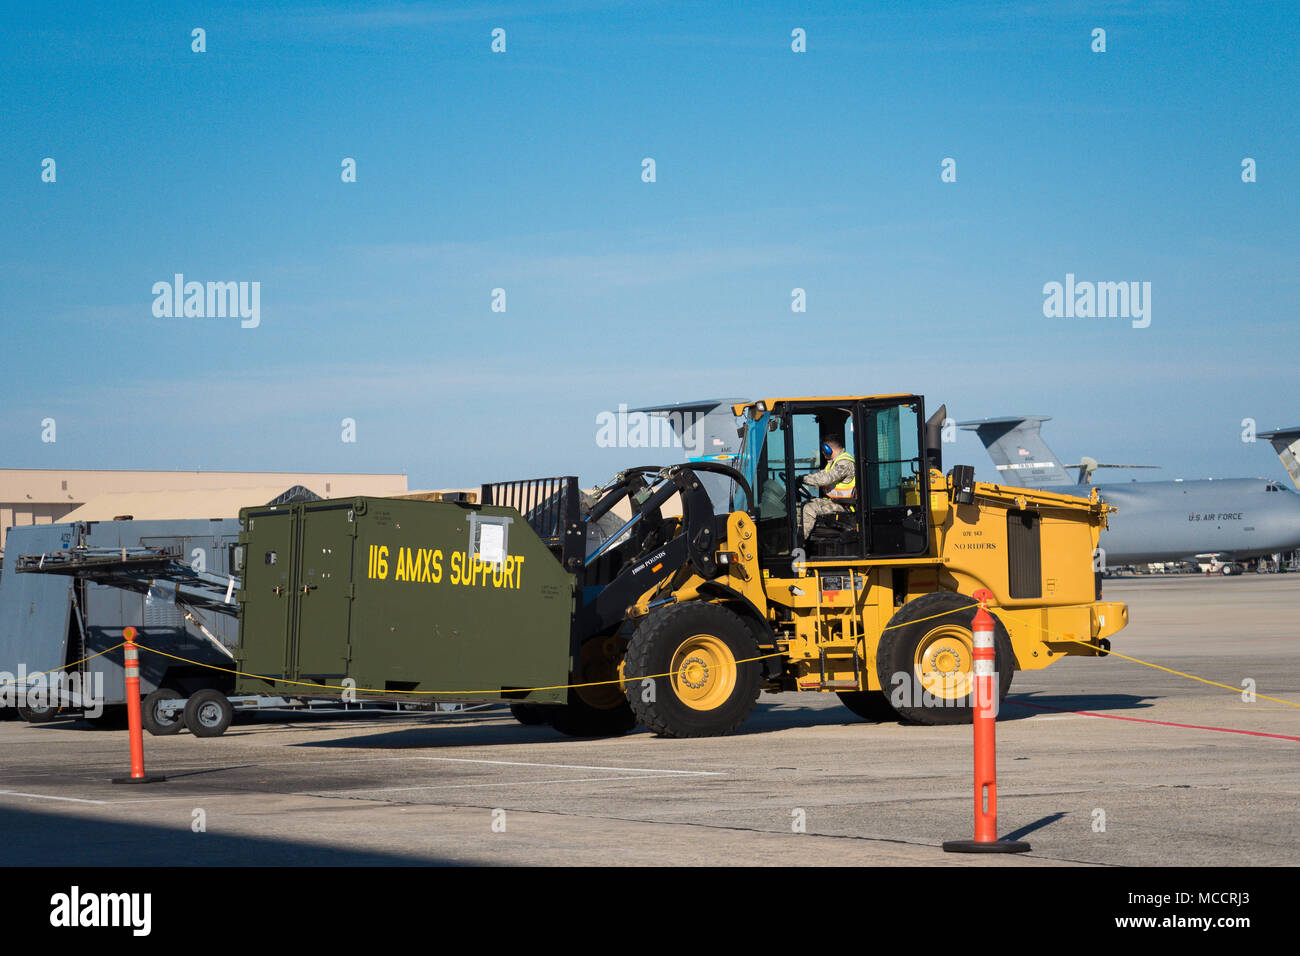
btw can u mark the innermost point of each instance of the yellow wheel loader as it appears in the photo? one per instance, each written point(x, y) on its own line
point(866, 594)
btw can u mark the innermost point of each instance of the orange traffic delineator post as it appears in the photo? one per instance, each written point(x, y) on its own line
point(984, 693)
point(135, 727)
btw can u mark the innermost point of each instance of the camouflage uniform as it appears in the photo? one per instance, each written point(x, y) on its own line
point(841, 471)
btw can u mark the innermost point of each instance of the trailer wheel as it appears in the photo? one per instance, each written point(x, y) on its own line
point(208, 713)
point(924, 661)
point(530, 715)
point(870, 705)
point(42, 714)
point(154, 720)
point(708, 692)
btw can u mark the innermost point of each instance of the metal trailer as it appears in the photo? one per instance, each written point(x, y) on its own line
point(48, 621)
point(103, 576)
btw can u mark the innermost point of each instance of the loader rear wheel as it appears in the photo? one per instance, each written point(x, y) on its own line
point(713, 681)
point(924, 659)
point(868, 704)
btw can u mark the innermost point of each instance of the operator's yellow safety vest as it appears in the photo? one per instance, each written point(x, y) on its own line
point(843, 491)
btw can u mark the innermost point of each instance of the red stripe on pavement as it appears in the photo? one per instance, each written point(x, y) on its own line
point(1162, 723)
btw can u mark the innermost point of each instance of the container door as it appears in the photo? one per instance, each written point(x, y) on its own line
point(267, 593)
point(324, 592)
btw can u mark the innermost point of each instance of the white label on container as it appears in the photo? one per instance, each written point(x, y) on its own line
point(491, 543)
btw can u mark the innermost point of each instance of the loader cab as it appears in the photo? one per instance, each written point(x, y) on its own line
point(884, 517)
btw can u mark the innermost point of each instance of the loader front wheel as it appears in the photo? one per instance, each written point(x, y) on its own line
point(530, 715)
point(578, 718)
point(597, 708)
point(690, 671)
point(924, 659)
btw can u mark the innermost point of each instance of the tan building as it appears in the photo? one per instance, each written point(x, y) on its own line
point(44, 496)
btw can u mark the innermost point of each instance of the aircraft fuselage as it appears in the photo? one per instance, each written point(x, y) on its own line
point(1175, 520)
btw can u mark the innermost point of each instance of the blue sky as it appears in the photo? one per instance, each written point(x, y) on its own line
point(522, 171)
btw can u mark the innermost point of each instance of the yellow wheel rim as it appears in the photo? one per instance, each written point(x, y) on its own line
point(943, 662)
point(704, 672)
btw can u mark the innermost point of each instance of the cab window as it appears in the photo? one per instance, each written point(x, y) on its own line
point(894, 470)
point(836, 531)
point(770, 491)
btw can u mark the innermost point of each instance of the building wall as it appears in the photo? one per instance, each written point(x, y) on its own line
point(13, 513)
point(42, 496)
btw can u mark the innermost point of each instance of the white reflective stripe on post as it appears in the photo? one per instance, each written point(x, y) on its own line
point(132, 654)
point(984, 640)
point(984, 668)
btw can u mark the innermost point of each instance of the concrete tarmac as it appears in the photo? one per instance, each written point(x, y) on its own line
point(1125, 787)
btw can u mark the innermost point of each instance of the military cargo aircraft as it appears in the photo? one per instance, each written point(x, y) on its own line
point(1230, 518)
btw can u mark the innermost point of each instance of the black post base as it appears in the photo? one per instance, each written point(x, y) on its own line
point(974, 846)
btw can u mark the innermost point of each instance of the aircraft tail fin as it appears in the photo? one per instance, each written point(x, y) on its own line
point(1286, 442)
point(706, 429)
point(1019, 452)
point(707, 432)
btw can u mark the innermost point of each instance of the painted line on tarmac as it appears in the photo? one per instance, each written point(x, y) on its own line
point(578, 766)
point(46, 796)
point(1160, 723)
point(472, 786)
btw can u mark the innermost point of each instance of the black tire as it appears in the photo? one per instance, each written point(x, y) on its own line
point(530, 715)
point(870, 705)
point(654, 647)
point(897, 651)
point(578, 718)
point(598, 709)
point(154, 721)
point(208, 713)
point(38, 715)
point(113, 718)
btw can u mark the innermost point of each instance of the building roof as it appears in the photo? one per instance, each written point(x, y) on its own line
point(170, 505)
point(73, 485)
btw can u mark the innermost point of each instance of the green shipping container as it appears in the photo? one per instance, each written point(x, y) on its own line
point(402, 596)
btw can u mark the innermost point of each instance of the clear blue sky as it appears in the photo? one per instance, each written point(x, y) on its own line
point(522, 170)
